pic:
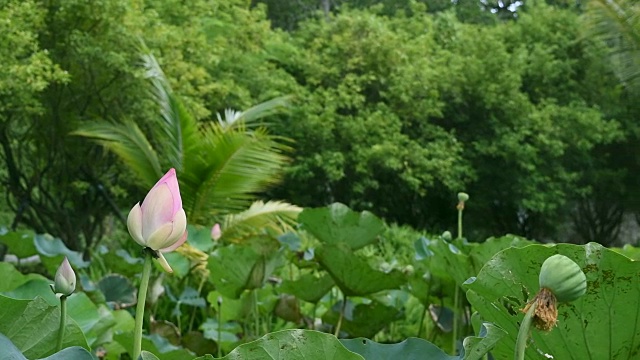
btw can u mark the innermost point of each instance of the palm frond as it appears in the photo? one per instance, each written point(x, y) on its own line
point(177, 131)
point(128, 142)
point(251, 116)
point(232, 167)
point(273, 216)
point(617, 23)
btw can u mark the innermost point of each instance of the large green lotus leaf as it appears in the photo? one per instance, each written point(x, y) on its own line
point(337, 224)
point(225, 335)
point(12, 278)
point(122, 262)
point(8, 351)
point(409, 349)
point(293, 345)
point(308, 287)
point(33, 288)
point(475, 347)
point(447, 261)
point(460, 259)
point(200, 238)
point(353, 275)
point(629, 251)
point(231, 309)
point(420, 349)
point(95, 321)
point(235, 268)
point(118, 291)
point(155, 344)
point(53, 251)
point(32, 326)
point(124, 321)
point(20, 243)
point(480, 253)
point(71, 353)
point(603, 324)
point(362, 320)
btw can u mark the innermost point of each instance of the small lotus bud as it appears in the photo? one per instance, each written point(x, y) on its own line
point(65, 280)
point(447, 235)
point(463, 196)
point(216, 233)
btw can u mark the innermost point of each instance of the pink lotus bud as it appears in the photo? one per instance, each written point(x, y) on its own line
point(216, 233)
point(160, 223)
point(65, 280)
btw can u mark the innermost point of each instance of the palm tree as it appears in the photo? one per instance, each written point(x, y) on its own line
point(617, 22)
point(221, 164)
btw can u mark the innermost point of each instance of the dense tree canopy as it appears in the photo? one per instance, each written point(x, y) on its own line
point(396, 106)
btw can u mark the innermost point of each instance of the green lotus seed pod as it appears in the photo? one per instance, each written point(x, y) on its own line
point(463, 196)
point(447, 235)
point(563, 277)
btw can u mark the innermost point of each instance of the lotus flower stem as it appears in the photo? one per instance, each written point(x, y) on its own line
point(523, 333)
point(422, 318)
point(219, 326)
point(256, 311)
point(462, 198)
point(313, 318)
point(456, 300)
point(460, 224)
point(342, 310)
point(142, 297)
point(63, 318)
point(193, 313)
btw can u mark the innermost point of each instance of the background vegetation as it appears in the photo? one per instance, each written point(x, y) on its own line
point(387, 106)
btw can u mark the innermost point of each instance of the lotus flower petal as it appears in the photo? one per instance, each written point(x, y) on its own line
point(134, 224)
point(65, 280)
point(160, 222)
point(216, 232)
point(163, 262)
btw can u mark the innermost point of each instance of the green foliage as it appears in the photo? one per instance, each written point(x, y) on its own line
point(337, 224)
point(585, 326)
point(31, 325)
point(415, 348)
point(10, 351)
point(616, 22)
point(221, 164)
point(236, 268)
point(294, 345)
point(396, 112)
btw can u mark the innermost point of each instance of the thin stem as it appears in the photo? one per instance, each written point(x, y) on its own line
point(193, 313)
point(523, 333)
point(456, 299)
point(63, 318)
point(142, 297)
point(424, 314)
point(460, 208)
point(422, 318)
point(256, 312)
point(313, 318)
point(344, 306)
point(219, 326)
